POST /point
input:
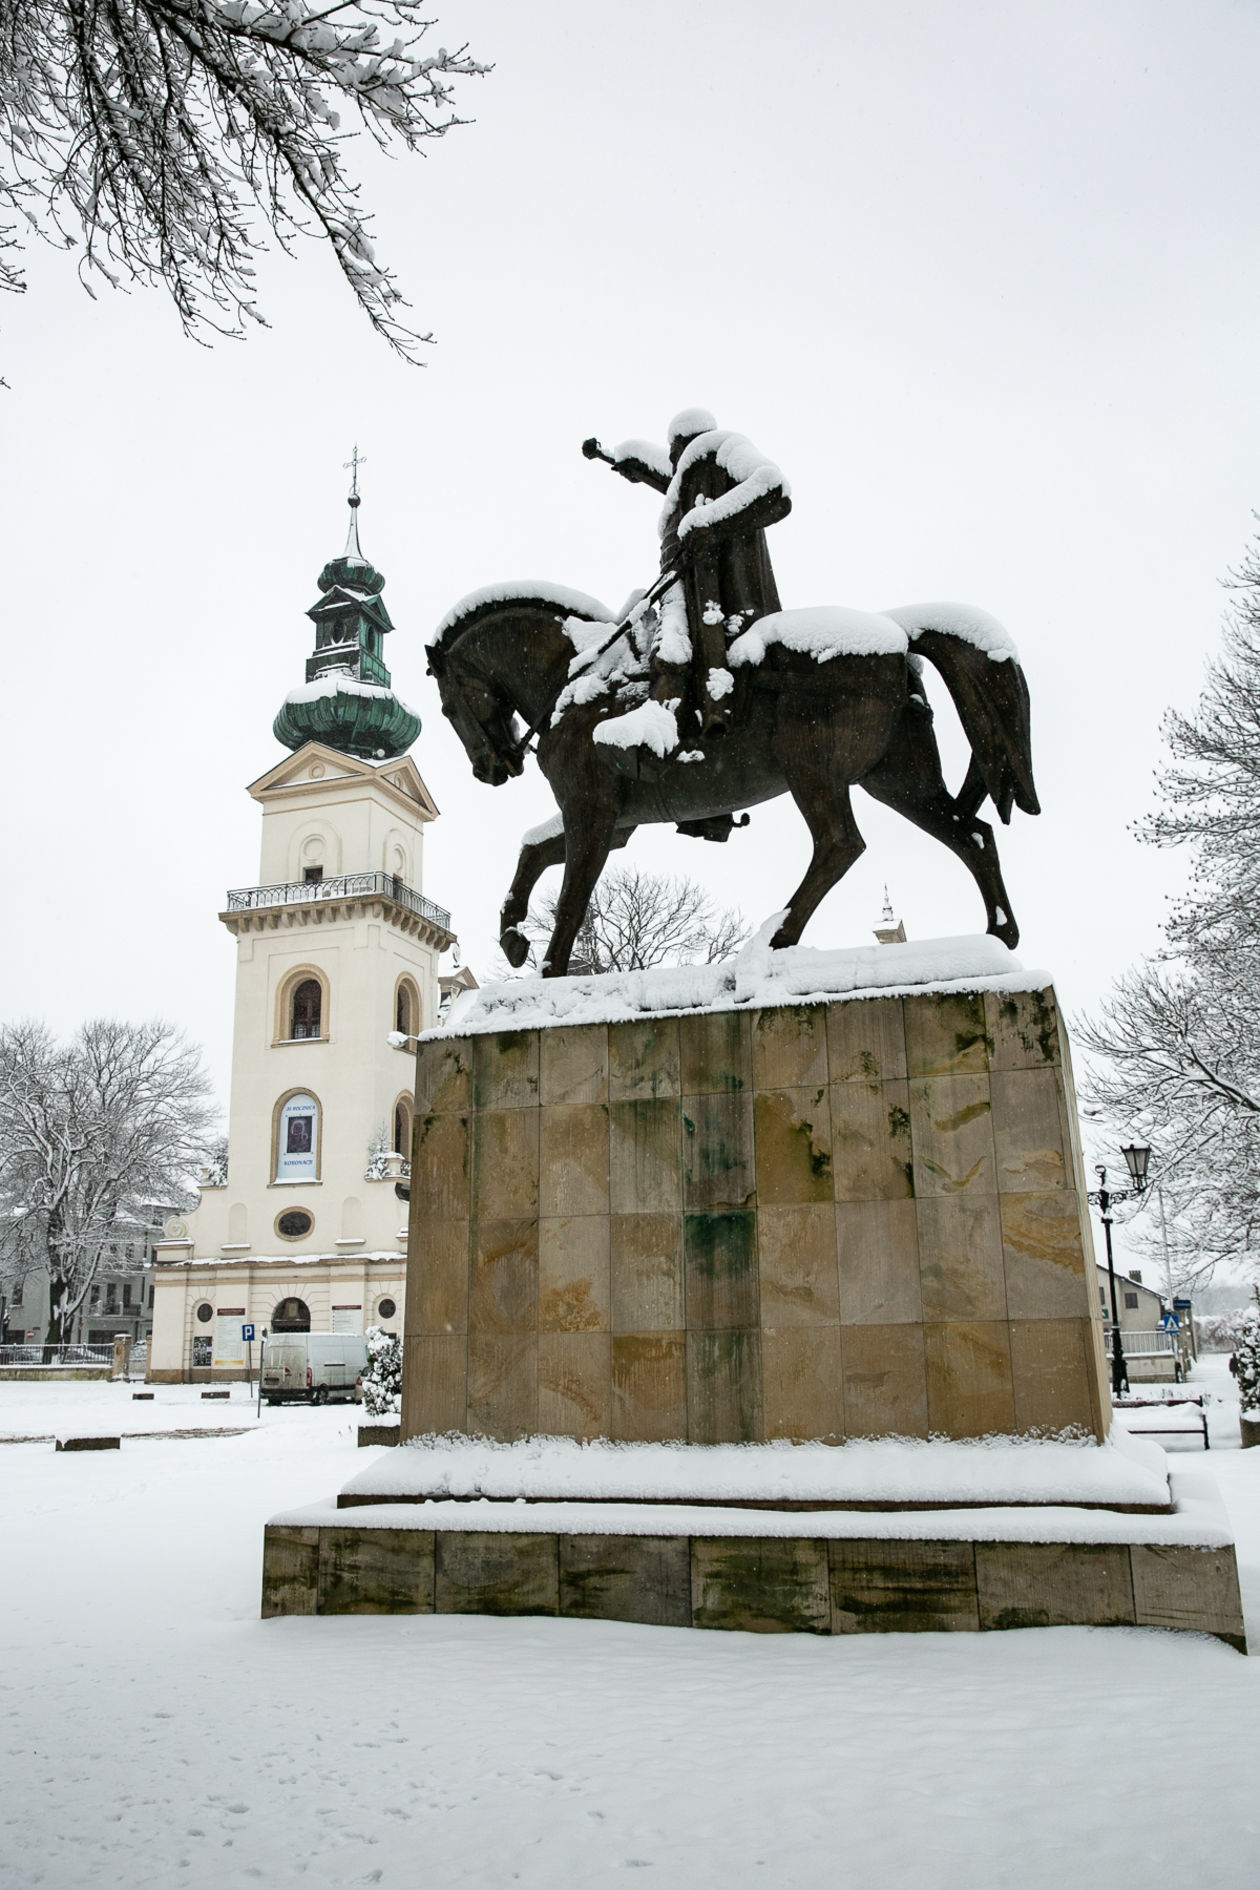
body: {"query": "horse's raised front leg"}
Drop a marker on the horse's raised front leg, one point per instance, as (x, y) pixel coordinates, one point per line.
(536, 857)
(909, 779)
(817, 755)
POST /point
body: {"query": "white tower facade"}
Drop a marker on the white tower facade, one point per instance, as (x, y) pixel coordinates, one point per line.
(337, 948)
(303, 1225)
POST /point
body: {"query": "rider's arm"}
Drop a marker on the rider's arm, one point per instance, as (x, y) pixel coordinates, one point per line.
(642, 464)
(732, 488)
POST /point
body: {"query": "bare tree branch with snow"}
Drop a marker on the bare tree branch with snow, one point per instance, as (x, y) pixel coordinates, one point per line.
(90, 1132)
(160, 132)
(637, 919)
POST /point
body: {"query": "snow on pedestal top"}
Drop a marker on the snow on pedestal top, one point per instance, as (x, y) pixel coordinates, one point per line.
(758, 979)
(994, 1470)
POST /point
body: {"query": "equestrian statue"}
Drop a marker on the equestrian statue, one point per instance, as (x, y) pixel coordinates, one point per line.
(706, 697)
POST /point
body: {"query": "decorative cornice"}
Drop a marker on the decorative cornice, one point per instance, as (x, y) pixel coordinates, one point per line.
(339, 912)
(350, 1262)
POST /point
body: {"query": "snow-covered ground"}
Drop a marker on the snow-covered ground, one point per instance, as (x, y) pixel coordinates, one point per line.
(156, 1733)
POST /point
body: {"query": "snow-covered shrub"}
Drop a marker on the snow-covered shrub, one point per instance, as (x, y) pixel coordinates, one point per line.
(378, 1156)
(1246, 1365)
(214, 1170)
(1220, 1332)
(382, 1380)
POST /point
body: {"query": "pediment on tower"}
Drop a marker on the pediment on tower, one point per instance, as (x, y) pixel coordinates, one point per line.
(312, 767)
(404, 776)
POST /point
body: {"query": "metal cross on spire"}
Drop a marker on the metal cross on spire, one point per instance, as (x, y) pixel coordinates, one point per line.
(352, 466)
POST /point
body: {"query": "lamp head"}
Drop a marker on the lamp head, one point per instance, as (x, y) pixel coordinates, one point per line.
(1137, 1157)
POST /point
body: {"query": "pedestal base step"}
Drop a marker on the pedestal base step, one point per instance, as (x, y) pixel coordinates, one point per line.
(764, 1584)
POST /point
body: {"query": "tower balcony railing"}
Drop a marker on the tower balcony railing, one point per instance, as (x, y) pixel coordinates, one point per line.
(344, 886)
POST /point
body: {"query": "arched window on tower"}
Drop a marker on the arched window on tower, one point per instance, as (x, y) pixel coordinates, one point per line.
(306, 1009)
(406, 1008)
(402, 1127)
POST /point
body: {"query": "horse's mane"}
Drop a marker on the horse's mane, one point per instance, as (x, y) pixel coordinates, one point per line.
(557, 598)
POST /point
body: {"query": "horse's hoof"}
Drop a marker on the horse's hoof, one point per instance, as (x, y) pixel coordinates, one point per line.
(514, 946)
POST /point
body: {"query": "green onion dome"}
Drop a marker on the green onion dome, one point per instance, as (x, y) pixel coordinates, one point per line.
(347, 701)
(355, 718)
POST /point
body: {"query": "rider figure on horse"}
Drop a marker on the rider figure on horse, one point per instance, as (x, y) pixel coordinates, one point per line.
(720, 495)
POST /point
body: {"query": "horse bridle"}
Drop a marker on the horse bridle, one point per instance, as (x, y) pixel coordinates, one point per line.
(438, 661)
(440, 667)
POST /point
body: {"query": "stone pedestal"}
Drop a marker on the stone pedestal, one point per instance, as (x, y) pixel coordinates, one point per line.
(852, 1218)
(856, 1218)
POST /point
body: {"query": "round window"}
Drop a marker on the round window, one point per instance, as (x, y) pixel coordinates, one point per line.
(386, 1309)
(205, 1314)
(295, 1225)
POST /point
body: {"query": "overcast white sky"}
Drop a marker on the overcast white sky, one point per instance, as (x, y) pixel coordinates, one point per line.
(982, 278)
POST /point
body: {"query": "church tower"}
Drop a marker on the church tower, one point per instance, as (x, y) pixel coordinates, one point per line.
(302, 1226)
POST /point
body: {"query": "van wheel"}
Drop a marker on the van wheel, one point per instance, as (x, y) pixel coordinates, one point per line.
(320, 1396)
(272, 1403)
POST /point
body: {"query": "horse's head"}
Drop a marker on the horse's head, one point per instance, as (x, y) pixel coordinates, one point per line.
(503, 655)
(481, 716)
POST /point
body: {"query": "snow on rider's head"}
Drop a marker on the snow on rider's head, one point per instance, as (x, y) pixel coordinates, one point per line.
(688, 425)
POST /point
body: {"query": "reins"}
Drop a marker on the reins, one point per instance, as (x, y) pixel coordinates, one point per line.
(585, 658)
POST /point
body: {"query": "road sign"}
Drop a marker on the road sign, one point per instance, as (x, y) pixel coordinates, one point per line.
(247, 1333)
(1170, 1322)
(1181, 1305)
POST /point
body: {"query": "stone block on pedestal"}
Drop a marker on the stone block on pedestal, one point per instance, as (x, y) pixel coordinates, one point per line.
(864, 1217)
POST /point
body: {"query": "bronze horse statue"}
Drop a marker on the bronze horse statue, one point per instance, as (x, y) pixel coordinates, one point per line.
(800, 725)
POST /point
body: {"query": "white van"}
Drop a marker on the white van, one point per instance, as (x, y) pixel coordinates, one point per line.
(312, 1367)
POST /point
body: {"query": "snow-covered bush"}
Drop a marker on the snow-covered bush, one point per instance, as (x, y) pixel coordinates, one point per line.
(1220, 1332)
(1246, 1366)
(382, 1380)
(214, 1171)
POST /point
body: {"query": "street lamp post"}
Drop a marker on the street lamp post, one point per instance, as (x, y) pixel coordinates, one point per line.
(1137, 1158)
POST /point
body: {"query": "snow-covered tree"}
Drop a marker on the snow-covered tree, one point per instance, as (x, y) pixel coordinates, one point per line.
(637, 919)
(1246, 1365)
(1176, 1045)
(214, 1170)
(1220, 1332)
(92, 1133)
(382, 1381)
(162, 134)
(379, 1150)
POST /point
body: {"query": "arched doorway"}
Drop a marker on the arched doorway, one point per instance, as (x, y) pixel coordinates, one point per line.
(291, 1315)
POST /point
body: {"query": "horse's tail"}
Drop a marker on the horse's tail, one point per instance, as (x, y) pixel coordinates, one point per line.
(980, 668)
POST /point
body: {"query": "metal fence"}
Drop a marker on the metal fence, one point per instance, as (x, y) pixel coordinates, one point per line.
(344, 886)
(1145, 1344)
(56, 1355)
